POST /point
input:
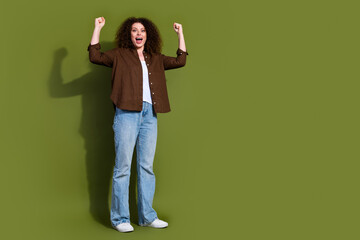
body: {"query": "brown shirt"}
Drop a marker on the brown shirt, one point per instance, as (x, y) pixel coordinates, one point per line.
(127, 78)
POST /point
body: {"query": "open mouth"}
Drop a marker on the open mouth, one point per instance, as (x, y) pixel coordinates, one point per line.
(138, 40)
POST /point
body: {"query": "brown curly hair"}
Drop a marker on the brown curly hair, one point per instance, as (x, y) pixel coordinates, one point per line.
(153, 42)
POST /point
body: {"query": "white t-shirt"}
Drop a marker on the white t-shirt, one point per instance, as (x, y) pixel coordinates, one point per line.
(146, 86)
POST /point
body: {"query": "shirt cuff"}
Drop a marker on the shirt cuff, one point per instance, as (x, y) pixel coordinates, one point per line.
(96, 46)
(179, 51)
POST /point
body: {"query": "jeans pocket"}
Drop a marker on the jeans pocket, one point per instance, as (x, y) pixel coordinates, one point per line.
(116, 116)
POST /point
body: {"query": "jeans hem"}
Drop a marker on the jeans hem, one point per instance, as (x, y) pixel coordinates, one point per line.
(147, 223)
(123, 221)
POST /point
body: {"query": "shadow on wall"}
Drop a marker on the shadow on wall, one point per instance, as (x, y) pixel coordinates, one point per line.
(96, 129)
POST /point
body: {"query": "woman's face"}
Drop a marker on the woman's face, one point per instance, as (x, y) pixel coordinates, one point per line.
(138, 35)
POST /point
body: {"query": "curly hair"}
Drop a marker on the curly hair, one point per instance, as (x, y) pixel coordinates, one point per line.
(153, 42)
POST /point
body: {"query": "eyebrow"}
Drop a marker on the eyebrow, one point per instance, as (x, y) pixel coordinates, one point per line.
(137, 28)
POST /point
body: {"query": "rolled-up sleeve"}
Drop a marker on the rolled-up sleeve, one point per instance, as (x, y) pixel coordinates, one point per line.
(101, 58)
(175, 62)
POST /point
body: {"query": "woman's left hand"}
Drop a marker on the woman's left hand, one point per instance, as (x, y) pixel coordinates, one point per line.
(178, 28)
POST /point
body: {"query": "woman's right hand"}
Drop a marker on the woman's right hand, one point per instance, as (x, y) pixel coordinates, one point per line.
(99, 22)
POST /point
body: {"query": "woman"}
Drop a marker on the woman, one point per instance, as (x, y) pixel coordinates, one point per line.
(138, 94)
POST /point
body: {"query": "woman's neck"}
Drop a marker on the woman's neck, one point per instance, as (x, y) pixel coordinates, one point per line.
(140, 53)
(141, 49)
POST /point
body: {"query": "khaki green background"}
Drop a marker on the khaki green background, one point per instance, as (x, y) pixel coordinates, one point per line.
(262, 141)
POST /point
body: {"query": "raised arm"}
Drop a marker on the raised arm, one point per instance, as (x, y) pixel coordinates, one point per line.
(179, 31)
(99, 24)
(95, 55)
(180, 60)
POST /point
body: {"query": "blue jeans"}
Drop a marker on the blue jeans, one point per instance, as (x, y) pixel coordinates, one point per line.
(134, 128)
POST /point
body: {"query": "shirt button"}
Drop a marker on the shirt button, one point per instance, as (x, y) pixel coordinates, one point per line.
(151, 83)
(145, 56)
(149, 73)
(153, 93)
(147, 64)
(154, 102)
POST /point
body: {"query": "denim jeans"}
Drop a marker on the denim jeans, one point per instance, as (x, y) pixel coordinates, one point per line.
(134, 128)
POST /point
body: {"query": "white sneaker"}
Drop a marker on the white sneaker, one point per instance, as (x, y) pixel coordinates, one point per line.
(124, 227)
(157, 223)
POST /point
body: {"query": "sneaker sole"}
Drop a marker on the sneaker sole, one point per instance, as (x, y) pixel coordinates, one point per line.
(124, 231)
(144, 225)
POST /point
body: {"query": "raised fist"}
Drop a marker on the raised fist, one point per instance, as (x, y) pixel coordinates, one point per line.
(99, 22)
(177, 28)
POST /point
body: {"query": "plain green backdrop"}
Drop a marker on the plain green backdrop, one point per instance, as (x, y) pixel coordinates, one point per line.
(262, 141)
